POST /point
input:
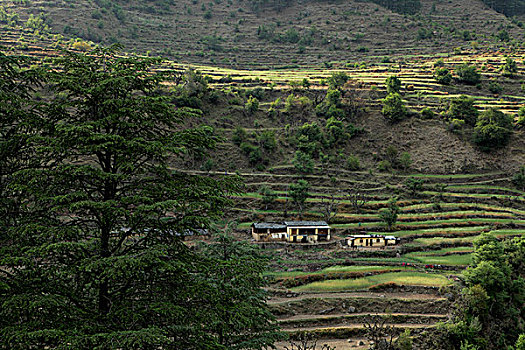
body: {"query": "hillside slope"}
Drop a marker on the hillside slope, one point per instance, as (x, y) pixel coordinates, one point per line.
(258, 33)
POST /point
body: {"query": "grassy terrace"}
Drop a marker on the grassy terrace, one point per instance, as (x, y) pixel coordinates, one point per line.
(427, 223)
(335, 269)
(401, 278)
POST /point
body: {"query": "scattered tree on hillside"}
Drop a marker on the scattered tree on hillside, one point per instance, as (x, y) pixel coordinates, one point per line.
(394, 108)
(329, 207)
(357, 199)
(303, 163)
(393, 84)
(405, 161)
(521, 117)
(492, 130)
(390, 213)
(519, 179)
(299, 194)
(443, 76)
(462, 108)
(414, 186)
(468, 74)
(337, 80)
(510, 68)
(379, 332)
(252, 105)
(268, 196)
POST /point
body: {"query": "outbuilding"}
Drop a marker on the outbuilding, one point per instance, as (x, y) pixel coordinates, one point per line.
(370, 241)
(291, 231)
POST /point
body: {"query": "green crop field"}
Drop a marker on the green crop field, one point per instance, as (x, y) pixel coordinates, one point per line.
(402, 278)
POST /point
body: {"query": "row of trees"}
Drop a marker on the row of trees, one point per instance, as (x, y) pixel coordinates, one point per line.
(92, 216)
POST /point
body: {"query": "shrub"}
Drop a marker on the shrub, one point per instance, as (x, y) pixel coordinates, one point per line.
(521, 117)
(427, 113)
(253, 152)
(337, 80)
(443, 76)
(493, 129)
(519, 179)
(239, 136)
(414, 186)
(384, 166)
(303, 163)
(393, 107)
(405, 160)
(267, 140)
(352, 163)
(462, 108)
(252, 105)
(510, 68)
(495, 88)
(468, 74)
(81, 46)
(456, 125)
(393, 84)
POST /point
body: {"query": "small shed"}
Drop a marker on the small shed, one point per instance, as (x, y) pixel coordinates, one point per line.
(370, 241)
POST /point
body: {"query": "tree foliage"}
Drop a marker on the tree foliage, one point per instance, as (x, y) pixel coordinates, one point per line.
(489, 313)
(95, 260)
(462, 108)
(518, 179)
(443, 76)
(237, 315)
(303, 163)
(390, 213)
(468, 74)
(394, 108)
(492, 130)
(299, 193)
(393, 84)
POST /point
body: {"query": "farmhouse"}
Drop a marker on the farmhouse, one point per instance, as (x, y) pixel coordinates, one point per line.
(292, 231)
(371, 241)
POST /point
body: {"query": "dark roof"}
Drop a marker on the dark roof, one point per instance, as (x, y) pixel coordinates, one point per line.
(305, 223)
(268, 225)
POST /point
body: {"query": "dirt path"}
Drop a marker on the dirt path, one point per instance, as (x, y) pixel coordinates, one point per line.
(346, 295)
(355, 326)
(349, 315)
(339, 344)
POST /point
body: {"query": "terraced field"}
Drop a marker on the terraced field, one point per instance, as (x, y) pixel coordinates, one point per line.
(330, 291)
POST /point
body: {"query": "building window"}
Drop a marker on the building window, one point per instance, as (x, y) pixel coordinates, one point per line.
(377, 240)
(361, 240)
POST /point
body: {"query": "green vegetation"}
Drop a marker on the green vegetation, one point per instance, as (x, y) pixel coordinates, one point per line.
(462, 108)
(489, 310)
(393, 108)
(493, 129)
(401, 278)
(468, 74)
(443, 76)
(299, 193)
(389, 215)
(95, 250)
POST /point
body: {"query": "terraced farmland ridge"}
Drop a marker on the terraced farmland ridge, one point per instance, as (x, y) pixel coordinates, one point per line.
(330, 291)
